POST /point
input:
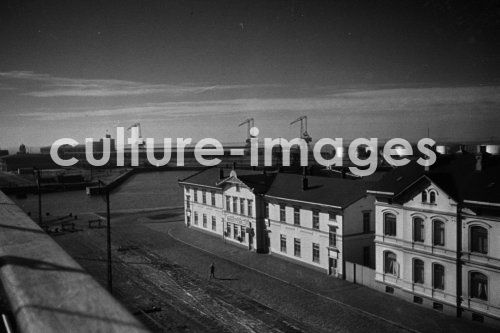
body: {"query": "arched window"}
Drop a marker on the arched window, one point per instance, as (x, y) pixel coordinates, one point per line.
(438, 276)
(390, 224)
(424, 196)
(418, 271)
(479, 239)
(478, 285)
(418, 229)
(432, 196)
(390, 263)
(438, 232)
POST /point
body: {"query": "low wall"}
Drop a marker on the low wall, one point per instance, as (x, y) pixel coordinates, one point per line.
(360, 274)
(46, 289)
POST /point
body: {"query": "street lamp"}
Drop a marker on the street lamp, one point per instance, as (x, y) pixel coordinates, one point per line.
(36, 174)
(108, 235)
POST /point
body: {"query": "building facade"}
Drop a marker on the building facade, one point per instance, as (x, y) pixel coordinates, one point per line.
(437, 236)
(227, 204)
(320, 222)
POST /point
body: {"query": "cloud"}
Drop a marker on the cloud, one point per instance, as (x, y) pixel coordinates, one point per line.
(53, 86)
(432, 103)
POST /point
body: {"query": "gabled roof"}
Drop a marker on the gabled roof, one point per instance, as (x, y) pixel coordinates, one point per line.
(455, 174)
(255, 180)
(336, 192)
(208, 177)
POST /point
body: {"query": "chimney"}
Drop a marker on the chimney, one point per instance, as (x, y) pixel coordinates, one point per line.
(221, 173)
(305, 183)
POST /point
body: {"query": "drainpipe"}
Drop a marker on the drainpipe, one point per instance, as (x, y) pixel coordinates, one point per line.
(343, 258)
(459, 260)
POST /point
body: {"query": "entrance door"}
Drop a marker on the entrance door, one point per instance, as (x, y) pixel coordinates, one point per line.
(332, 266)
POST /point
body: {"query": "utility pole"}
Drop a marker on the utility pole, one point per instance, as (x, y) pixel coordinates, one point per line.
(36, 173)
(108, 238)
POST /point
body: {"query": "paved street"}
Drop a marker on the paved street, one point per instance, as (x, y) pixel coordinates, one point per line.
(161, 273)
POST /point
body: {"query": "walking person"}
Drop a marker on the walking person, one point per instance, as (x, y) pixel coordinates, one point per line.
(212, 270)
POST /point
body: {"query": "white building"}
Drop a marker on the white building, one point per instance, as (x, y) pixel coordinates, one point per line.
(228, 204)
(437, 235)
(320, 221)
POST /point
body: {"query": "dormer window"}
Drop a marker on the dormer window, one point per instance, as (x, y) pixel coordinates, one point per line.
(432, 197)
(424, 196)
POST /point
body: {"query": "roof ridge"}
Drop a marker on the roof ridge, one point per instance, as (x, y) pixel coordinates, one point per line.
(196, 174)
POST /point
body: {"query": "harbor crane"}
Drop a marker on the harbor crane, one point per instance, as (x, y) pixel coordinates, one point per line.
(140, 140)
(303, 128)
(250, 124)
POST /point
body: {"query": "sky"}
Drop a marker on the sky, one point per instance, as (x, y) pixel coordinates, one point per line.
(199, 68)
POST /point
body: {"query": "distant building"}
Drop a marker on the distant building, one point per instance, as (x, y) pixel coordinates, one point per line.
(26, 161)
(22, 149)
(228, 203)
(437, 234)
(321, 222)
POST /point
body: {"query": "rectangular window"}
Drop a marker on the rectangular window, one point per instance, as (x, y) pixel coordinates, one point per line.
(250, 208)
(204, 220)
(296, 215)
(418, 230)
(391, 265)
(479, 239)
(195, 195)
(437, 306)
(478, 285)
(228, 229)
(235, 231)
(188, 201)
(196, 218)
(243, 234)
(212, 198)
(332, 237)
(332, 216)
(235, 205)
(438, 276)
(296, 247)
(283, 243)
(242, 206)
(204, 196)
(366, 222)
(315, 252)
(418, 271)
(438, 230)
(237, 188)
(214, 223)
(228, 203)
(390, 224)
(315, 219)
(282, 213)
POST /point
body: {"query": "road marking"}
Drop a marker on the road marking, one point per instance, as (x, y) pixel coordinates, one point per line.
(369, 314)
